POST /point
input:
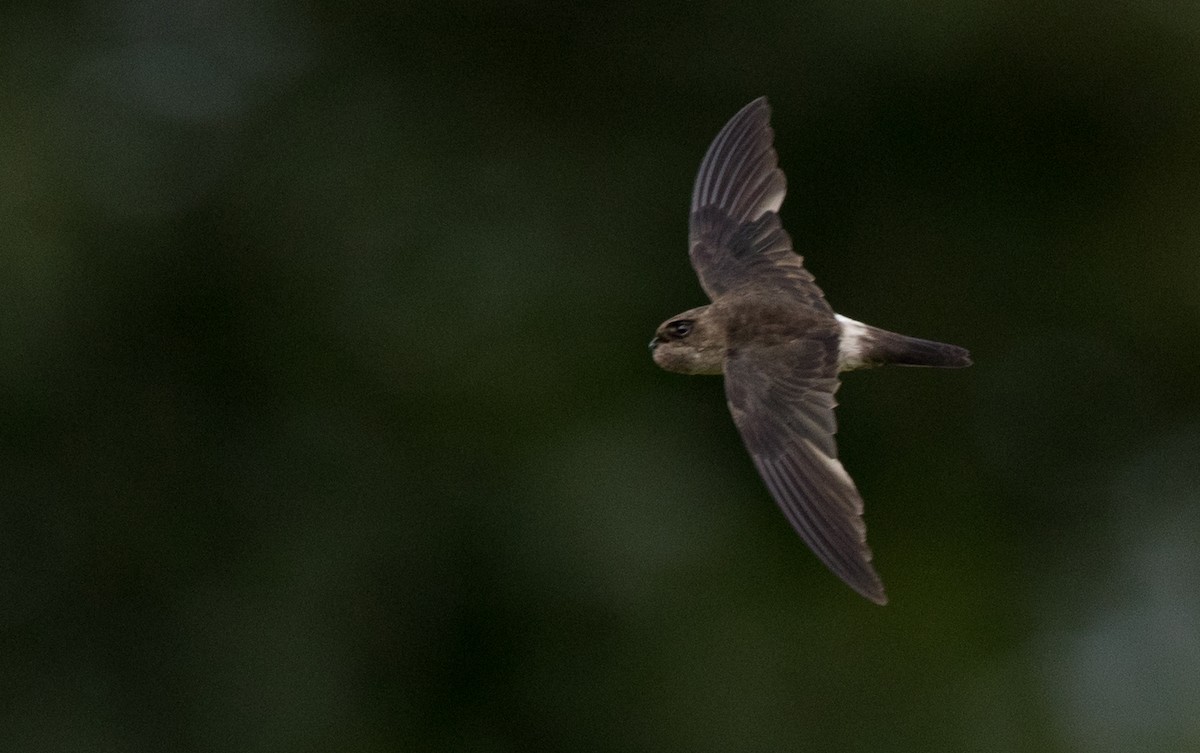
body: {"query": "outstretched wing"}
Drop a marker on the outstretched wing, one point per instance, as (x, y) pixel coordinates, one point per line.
(735, 234)
(781, 398)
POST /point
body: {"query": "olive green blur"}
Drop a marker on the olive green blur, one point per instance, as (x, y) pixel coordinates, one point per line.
(328, 422)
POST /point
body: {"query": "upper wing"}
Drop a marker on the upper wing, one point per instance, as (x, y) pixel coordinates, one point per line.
(735, 234)
(781, 398)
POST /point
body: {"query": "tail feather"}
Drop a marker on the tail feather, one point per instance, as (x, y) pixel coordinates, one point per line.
(902, 350)
(863, 346)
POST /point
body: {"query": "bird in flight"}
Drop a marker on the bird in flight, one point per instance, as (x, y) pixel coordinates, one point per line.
(780, 346)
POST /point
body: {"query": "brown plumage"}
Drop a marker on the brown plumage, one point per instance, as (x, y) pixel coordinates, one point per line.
(769, 330)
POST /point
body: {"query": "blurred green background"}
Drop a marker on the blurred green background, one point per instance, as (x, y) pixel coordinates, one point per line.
(329, 425)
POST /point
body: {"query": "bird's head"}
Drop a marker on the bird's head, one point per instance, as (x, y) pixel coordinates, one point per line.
(690, 343)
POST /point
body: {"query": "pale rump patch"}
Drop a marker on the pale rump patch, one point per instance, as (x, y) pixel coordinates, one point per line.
(854, 340)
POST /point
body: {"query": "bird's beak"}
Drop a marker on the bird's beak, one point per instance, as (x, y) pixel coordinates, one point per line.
(654, 343)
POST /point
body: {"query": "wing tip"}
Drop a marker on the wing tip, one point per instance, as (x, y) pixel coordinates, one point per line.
(874, 593)
(869, 585)
(740, 172)
(758, 103)
(866, 582)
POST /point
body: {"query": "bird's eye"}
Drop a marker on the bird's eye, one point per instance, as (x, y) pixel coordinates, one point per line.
(679, 329)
